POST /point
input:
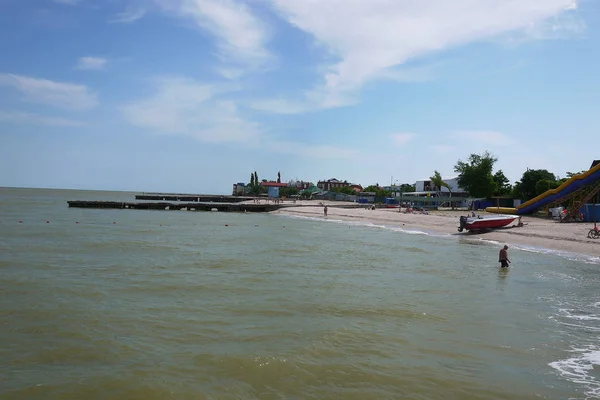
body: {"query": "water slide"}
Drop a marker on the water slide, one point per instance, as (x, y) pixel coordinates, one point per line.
(576, 182)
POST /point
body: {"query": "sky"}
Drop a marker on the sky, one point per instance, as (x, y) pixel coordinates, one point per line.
(193, 95)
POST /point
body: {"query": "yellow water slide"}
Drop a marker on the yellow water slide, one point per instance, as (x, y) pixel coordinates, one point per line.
(552, 195)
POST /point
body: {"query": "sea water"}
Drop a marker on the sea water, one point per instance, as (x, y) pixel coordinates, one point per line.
(133, 304)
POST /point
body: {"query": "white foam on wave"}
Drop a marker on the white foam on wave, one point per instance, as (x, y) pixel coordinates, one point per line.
(568, 313)
(577, 257)
(579, 370)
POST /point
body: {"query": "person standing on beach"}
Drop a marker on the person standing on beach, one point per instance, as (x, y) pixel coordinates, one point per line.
(325, 210)
(503, 257)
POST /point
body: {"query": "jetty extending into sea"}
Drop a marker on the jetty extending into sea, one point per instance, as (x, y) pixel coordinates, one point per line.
(196, 202)
(183, 206)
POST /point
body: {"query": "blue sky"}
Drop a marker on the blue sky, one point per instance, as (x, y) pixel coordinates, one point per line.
(193, 95)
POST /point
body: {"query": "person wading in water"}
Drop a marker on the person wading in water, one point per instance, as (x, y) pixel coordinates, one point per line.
(503, 257)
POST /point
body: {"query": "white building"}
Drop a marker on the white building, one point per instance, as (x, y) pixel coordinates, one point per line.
(428, 186)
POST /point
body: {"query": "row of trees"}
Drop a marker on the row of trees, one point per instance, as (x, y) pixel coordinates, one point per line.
(476, 176)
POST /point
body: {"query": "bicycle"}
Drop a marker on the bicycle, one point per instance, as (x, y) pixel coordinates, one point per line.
(594, 233)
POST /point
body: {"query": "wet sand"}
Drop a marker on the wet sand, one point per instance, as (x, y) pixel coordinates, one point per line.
(537, 232)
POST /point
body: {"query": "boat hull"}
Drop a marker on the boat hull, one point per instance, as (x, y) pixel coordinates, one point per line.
(479, 224)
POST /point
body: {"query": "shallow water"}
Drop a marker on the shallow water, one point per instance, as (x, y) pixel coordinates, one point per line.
(151, 304)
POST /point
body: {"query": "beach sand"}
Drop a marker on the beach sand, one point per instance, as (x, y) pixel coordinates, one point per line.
(537, 232)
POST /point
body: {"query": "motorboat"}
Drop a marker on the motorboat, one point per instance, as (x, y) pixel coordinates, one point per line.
(480, 223)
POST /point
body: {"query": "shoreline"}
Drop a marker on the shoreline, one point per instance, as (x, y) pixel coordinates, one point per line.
(536, 232)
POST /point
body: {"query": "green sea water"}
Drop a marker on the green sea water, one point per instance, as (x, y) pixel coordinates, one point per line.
(126, 304)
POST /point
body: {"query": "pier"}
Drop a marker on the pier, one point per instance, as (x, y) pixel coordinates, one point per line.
(198, 198)
(180, 206)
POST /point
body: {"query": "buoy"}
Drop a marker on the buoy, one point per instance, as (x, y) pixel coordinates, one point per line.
(226, 225)
(20, 221)
(114, 222)
(76, 222)
(47, 222)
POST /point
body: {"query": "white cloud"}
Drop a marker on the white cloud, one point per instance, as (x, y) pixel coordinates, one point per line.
(68, 2)
(279, 106)
(36, 119)
(371, 38)
(240, 34)
(484, 137)
(400, 139)
(128, 16)
(91, 63)
(59, 94)
(187, 107)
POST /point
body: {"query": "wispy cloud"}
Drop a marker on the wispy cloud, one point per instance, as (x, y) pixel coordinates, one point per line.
(91, 63)
(401, 139)
(128, 16)
(21, 117)
(58, 94)
(241, 36)
(187, 107)
(370, 39)
(68, 2)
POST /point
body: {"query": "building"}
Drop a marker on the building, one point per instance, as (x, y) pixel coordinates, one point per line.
(239, 189)
(356, 187)
(331, 184)
(273, 188)
(300, 185)
(428, 186)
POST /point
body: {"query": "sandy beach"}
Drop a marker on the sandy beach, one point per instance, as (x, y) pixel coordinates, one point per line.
(537, 232)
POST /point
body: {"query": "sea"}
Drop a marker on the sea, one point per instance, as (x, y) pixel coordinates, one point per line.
(135, 304)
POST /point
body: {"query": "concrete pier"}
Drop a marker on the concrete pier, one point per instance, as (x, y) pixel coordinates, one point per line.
(197, 206)
(199, 198)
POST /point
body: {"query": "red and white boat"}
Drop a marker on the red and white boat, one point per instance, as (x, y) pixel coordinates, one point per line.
(484, 223)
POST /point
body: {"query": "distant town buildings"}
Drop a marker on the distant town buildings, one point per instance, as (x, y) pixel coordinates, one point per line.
(239, 189)
(331, 184)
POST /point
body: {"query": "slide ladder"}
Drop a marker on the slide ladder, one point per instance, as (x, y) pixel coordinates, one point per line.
(580, 198)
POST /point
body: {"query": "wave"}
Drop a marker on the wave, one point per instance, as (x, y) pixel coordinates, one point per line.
(577, 257)
(579, 369)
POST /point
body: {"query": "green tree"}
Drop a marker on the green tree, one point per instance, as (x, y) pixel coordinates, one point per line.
(407, 188)
(288, 191)
(475, 175)
(439, 183)
(344, 190)
(251, 184)
(544, 185)
(527, 186)
(503, 186)
(279, 177)
(379, 192)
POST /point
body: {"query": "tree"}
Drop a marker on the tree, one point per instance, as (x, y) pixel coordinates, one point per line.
(407, 188)
(439, 184)
(344, 190)
(255, 178)
(379, 192)
(475, 175)
(527, 186)
(279, 177)
(288, 191)
(251, 184)
(544, 185)
(503, 186)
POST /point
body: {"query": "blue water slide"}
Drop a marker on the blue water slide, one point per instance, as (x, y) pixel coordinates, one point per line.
(575, 183)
